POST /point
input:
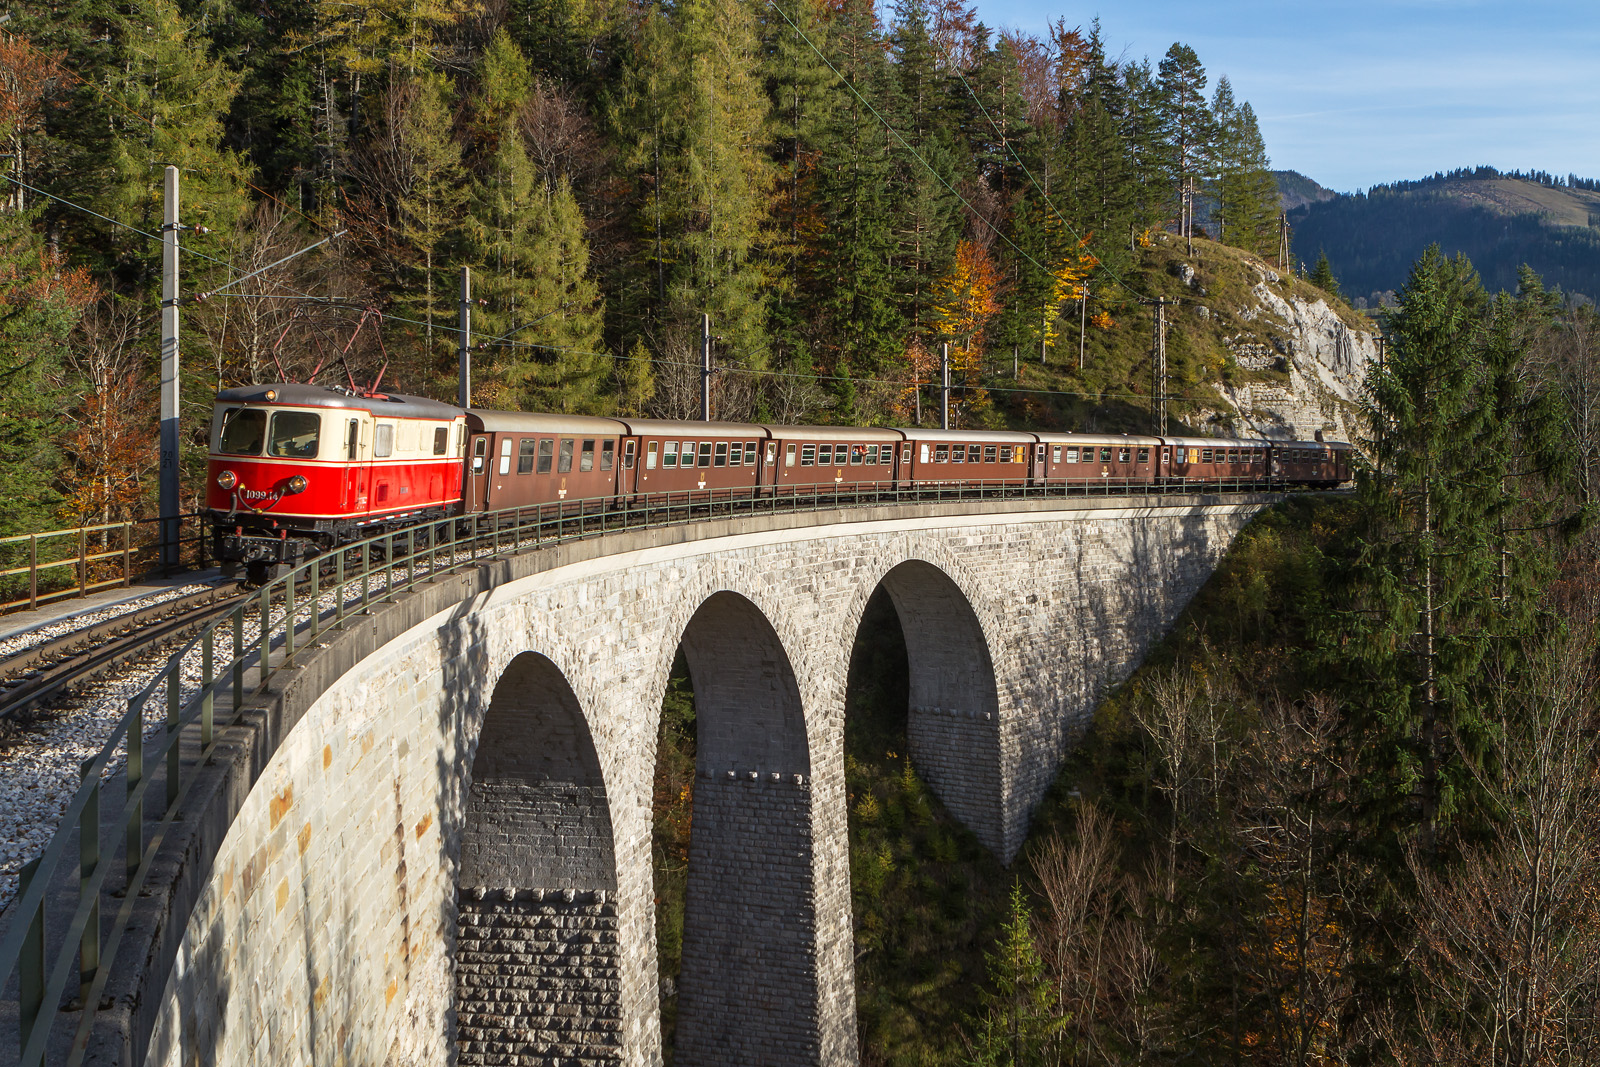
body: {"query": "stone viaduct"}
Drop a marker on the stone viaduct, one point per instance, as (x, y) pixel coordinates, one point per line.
(431, 844)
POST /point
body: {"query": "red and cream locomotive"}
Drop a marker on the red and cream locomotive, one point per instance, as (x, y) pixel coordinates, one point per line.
(296, 470)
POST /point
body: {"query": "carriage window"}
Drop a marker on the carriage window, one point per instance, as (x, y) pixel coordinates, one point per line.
(1105, 455)
(586, 460)
(650, 454)
(1205, 455)
(941, 453)
(629, 449)
(722, 454)
(525, 449)
(808, 455)
(383, 440)
(669, 457)
(547, 449)
(857, 453)
(1055, 454)
(958, 453)
(1122, 455)
(972, 453)
(988, 453)
(608, 451)
(1072, 455)
(824, 455)
(705, 453)
(735, 454)
(750, 454)
(564, 462)
(505, 455)
(872, 455)
(352, 444)
(1166, 454)
(788, 456)
(478, 447)
(441, 440)
(294, 435)
(1144, 455)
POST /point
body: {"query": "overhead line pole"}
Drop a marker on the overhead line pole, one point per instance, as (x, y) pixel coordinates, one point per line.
(944, 385)
(170, 470)
(1158, 395)
(705, 368)
(464, 352)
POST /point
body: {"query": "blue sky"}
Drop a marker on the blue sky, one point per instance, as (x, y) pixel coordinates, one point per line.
(1356, 93)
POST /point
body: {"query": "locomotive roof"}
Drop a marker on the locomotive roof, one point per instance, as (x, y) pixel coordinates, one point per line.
(1009, 436)
(835, 433)
(394, 405)
(676, 428)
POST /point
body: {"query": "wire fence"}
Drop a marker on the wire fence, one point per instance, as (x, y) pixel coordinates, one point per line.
(170, 728)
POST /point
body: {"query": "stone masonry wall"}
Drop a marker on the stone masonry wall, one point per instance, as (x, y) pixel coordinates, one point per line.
(325, 931)
(536, 980)
(747, 992)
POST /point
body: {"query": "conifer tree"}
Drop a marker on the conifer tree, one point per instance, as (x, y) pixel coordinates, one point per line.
(1422, 605)
(1245, 187)
(1322, 275)
(1185, 128)
(699, 114)
(526, 238)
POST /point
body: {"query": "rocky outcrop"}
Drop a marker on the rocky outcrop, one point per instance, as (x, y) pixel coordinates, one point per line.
(1324, 358)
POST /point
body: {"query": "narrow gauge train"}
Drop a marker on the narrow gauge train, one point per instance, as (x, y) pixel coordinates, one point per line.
(297, 469)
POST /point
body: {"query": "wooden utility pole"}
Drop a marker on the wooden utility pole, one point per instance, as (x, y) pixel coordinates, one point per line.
(1158, 393)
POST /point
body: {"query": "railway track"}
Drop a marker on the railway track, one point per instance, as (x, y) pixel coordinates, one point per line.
(39, 675)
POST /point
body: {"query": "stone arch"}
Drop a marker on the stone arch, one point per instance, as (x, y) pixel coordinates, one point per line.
(953, 721)
(749, 983)
(536, 964)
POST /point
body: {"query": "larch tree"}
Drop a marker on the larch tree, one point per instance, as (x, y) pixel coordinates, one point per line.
(964, 301)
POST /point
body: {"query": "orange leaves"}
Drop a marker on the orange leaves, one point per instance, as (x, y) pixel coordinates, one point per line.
(27, 77)
(1067, 282)
(965, 299)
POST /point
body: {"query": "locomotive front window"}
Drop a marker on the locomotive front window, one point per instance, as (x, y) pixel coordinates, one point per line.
(547, 451)
(586, 460)
(941, 453)
(608, 451)
(294, 435)
(525, 450)
(669, 455)
(564, 463)
(242, 430)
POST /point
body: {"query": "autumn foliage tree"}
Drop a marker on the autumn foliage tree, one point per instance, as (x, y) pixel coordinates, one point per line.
(964, 301)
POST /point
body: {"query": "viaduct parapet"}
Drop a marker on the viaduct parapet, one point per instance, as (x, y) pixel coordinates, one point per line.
(432, 844)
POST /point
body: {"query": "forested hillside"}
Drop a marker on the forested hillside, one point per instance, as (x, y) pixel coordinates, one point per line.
(1499, 221)
(842, 190)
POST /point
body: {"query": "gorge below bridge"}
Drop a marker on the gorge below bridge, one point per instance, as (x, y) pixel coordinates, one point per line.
(430, 842)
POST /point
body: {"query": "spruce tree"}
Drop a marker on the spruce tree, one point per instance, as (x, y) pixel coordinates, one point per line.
(1421, 607)
(1185, 128)
(1246, 187)
(1322, 276)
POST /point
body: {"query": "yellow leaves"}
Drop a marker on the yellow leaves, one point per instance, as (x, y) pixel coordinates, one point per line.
(1101, 320)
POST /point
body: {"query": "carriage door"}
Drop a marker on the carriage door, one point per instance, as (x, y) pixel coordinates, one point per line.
(1038, 464)
(478, 474)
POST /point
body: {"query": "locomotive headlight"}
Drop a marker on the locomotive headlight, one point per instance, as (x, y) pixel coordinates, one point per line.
(227, 480)
(298, 484)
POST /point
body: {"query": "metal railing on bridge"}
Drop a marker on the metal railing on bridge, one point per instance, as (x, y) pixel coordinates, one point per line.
(60, 564)
(245, 648)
